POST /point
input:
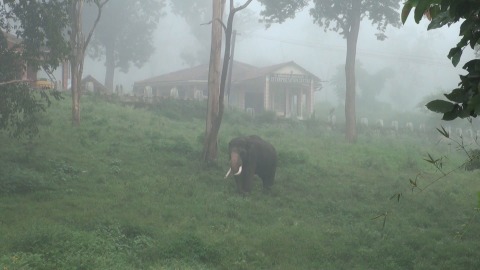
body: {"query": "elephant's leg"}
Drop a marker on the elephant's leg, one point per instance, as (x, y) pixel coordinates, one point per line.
(268, 179)
(248, 180)
(239, 181)
(247, 184)
(267, 183)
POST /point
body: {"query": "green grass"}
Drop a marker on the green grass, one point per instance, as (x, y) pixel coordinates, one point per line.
(128, 190)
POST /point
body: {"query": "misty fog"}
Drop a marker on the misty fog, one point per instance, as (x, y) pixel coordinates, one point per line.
(418, 57)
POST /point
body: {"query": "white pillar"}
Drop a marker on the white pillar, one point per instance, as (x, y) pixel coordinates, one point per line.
(310, 99)
(266, 96)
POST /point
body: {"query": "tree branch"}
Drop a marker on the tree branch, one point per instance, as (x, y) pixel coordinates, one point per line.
(220, 21)
(15, 81)
(99, 6)
(240, 7)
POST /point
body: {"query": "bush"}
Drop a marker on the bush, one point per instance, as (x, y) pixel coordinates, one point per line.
(266, 117)
(474, 162)
(180, 109)
(21, 260)
(16, 180)
(64, 171)
(190, 247)
(290, 157)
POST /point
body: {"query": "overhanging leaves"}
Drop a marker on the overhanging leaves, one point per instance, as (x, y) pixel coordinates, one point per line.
(421, 8)
(440, 106)
(465, 98)
(455, 54)
(474, 104)
(440, 20)
(458, 95)
(406, 11)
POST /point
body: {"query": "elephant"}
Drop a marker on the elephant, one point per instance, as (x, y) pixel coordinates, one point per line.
(249, 156)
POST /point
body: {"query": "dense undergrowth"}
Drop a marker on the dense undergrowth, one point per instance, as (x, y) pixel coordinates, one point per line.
(128, 190)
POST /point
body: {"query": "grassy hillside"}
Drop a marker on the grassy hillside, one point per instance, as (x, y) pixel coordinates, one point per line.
(127, 190)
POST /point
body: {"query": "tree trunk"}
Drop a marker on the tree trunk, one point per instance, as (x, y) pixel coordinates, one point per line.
(352, 37)
(210, 149)
(75, 95)
(79, 44)
(76, 38)
(110, 65)
(216, 105)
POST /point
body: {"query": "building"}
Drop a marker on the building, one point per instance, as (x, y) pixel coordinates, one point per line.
(15, 44)
(286, 88)
(91, 86)
(29, 73)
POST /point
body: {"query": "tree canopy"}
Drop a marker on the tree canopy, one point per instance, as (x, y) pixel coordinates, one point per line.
(371, 84)
(197, 13)
(124, 36)
(343, 17)
(35, 30)
(463, 101)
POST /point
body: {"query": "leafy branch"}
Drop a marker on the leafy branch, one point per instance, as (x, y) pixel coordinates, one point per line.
(472, 157)
(460, 234)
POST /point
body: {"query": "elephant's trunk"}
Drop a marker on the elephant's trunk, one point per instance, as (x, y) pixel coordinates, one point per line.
(235, 164)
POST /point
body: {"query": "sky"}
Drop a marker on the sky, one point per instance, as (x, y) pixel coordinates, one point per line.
(418, 56)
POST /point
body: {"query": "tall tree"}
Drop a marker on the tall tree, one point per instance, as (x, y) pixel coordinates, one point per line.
(35, 29)
(124, 36)
(370, 84)
(344, 17)
(196, 13)
(78, 44)
(463, 101)
(210, 147)
(216, 89)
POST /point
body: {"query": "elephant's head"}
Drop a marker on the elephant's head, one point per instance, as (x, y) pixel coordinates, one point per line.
(237, 149)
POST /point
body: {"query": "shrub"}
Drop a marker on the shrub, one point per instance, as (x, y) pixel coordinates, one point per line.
(180, 109)
(291, 157)
(16, 180)
(474, 162)
(266, 117)
(179, 145)
(21, 260)
(64, 171)
(190, 247)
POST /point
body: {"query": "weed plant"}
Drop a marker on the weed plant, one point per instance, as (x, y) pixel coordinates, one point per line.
(128, 190)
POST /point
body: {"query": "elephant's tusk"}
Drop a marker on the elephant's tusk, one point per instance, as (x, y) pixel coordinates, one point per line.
(239, 171)
(228, 173)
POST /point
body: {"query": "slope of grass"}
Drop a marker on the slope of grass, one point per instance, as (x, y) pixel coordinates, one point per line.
(127, 190)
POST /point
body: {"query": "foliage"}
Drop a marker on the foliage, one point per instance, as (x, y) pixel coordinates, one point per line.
(197, 13)
(136, 197)
(474, 161)
(334, 15)
(125, 34)
(266, 117)
(40, 26)
(36, 27)
(370, 85)
(343, 17)
(180, 109)
(21, 109)
(18, 180)
(464, 101)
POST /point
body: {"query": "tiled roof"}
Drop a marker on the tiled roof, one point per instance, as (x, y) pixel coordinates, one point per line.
(198, 73)
(241, 72)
